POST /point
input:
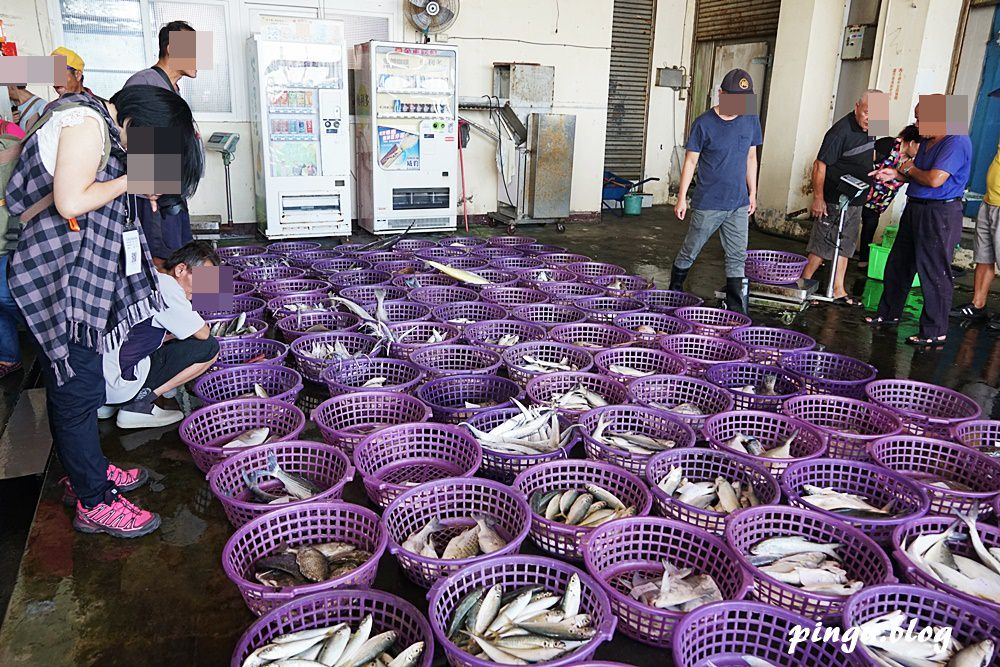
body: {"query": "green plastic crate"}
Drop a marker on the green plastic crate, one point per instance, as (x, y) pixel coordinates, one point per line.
(877, 257)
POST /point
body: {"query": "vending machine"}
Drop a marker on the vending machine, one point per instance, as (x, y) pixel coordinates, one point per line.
(301, 125)
(406, 136)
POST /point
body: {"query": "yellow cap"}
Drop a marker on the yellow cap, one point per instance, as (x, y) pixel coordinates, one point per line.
(72, 59)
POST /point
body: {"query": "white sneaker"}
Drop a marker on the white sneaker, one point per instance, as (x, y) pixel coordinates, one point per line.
(106, 411)
(158, 417)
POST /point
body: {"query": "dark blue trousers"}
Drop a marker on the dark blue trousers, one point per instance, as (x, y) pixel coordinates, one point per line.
(164, 233)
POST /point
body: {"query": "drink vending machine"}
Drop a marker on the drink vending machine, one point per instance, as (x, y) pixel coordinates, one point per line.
(300, 117)
(406, 136)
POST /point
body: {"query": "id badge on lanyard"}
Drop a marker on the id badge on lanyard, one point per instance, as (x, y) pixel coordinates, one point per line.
(131, 244)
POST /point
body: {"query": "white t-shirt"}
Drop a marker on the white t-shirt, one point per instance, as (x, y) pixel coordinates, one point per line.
(48, 134)
(178, 318)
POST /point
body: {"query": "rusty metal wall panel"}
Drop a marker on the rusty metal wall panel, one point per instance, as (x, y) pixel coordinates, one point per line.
(736, 19)
(628, 87)
(552, 142)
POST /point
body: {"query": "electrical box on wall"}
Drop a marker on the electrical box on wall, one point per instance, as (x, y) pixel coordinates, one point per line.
(859, 42)
(671, 77)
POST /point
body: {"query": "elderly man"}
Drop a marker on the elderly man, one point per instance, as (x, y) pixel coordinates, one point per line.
(74, 78)
(846, 149)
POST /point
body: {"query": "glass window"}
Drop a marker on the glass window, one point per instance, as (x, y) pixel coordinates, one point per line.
(88, 28)
(210, 91)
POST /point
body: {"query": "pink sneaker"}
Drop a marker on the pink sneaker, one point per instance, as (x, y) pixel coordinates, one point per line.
(125, 480)
(116, 516)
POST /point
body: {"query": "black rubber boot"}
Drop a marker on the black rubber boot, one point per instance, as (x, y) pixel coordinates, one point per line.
(677, 278)
(737, 295)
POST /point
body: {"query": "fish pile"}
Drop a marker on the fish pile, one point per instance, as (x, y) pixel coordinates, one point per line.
(675, 589)
(578, 398)
(308, 564)
(629, 441)
(477, 539)
(336, 646)
(765, 388)
(258, 392)
(534, 430)
(649, 330)
(328, 352)
(949, 485)
(258, 261)
(848, 504)
(748, 444)
(506, 340)
(290, 487)
(536, 365)
(521, 626)
(318, 307)
(680, 409)
(628, 371)
(979, 576)
(720, 495)
(251, 438)
(434, 337)
(460, 275)
(811, 566)
(888, 639)
(586, 507)
(237, 326)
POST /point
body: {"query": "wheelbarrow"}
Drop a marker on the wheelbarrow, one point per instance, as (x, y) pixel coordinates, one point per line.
(616, 187)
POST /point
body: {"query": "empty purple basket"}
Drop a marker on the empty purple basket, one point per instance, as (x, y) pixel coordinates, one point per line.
(542, 390)
(618, 550)
(441, 360)
(518, 263)
(849, 424)
(666, 392)
(859, 555)
(592, 336)
(738, 376)
(707, 321)
(239, 352)
(590, 270)
(510, 297)
(302, 525)
(288, 247)
(297, 325)
(880, 486)
(830, 373)
(279, 382)
(504, 467)
(767, 344)
(492, 252)
(540, 248)
(463, 313)
(312, 367)
(488, 333)
(304, 259)
(930, 462)
(509, 241)
(562, 258)
(228, 252)
(263, 274)
(660, 323)
(635, 419)
(275, 288)
(667, 301)
(359, 277)
(705, 465)
(413, 245)
(548, 315)
(410, 336)
(607, 308)
(774, 267)
(702, 352)
(358, 374)
(516, 359)
(568, 293)
(925, 409)
(772, 430)
(327, 468)
(456, 398)
(439, 294)
(346, 420)
(454, 501)
(642, 361)
(407, 455)
(400, 266)
(563, 540)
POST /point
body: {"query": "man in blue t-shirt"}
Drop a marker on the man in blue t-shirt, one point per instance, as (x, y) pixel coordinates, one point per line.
(723, 145)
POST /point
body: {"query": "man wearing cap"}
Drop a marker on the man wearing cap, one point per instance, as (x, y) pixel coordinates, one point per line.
(74, 76)
(846, 149)
(722, 145)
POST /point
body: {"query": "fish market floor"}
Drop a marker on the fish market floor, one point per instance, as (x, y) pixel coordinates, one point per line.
(164, 599)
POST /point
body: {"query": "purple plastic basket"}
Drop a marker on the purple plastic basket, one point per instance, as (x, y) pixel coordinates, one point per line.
(617, 550)
(662, 324)
(568, 293)
(712, 321)
(441, 360)
(538, 277)
(239, 351)
(449, 397)
(437, 295)
(540, 248)
(280, 383)
(492, 252)
(667, 301)
(705, 465)
(607, 308)
(304, 259)
(880, 486)
(465, 263)
(358, 277)
(453, 501)
(275, 288)
(256, 261)
(548, 315)
(229, 252)
(400, 376)
(369, 293)
(329, 469)
(543, 350)
(849, 424)
(592, 336)
(250, 305)
(924, 409)
(380, 256)
(774, 267)
(495, 277)
(402, 311)
(407, 455)
(642, 359)
(328, 608)
(541, 389)
(346, 420)
(462, 241)
(335, 265)
(562, 258)
(463, 313)
(702, 352)
(830, 373)
(735, 377)
(293, 304)
(591, 270)
(241, 288)
(412, 336)
(513, 264)
(510, 297)
(312, 368)
(509, 241)
(258, 324)
(635, 419)
(264, 274)
(623, 285)
(400, 266)
(665, 392)
(767, 344)
(863, 559)
(961, 545)
(505, 467)
(478, 333)
(515, 572)
(298, 525)
(413, 245)
(926, 460)
(351, 249)
(977, 433)
(772, 430)
(207, 429)
(722, 633)
(441, 254)
(288, 247)
(295, 326)
(423, 279)
(564, 540)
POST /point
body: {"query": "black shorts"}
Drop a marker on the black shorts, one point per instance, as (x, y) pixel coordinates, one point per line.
(175, 356)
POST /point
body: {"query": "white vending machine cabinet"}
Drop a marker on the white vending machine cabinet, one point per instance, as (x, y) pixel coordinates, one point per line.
(406, 125)
(301, 125)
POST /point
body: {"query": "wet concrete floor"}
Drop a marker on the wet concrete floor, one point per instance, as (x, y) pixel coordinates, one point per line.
(164, 599)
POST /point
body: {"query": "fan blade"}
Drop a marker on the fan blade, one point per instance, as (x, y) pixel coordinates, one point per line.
(419, 3)
(444, 16)
(421, 20)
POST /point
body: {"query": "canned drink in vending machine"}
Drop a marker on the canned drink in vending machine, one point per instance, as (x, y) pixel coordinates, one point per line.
(309, 127)
(300, 127)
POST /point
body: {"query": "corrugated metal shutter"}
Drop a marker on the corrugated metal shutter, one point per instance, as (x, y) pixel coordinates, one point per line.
(736, 19)
(628, 88)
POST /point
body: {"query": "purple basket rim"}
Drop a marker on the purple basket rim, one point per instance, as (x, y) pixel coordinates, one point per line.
(215, 407)
(327, 375)
(299, 342)
(361, 395)
(982, 461)
(795, 354)
(857, 402)
(941, 421)
(716, 369)
(452, 429)
(865, 594)
(798, 424)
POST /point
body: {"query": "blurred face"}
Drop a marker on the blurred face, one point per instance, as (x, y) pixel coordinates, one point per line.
(184, 275)
(73, 83)
(861, 114)
(182, 50)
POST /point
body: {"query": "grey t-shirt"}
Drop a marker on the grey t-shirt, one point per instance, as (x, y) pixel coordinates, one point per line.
(149, 77)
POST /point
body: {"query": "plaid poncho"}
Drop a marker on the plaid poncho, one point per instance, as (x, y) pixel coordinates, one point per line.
(71, 286)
